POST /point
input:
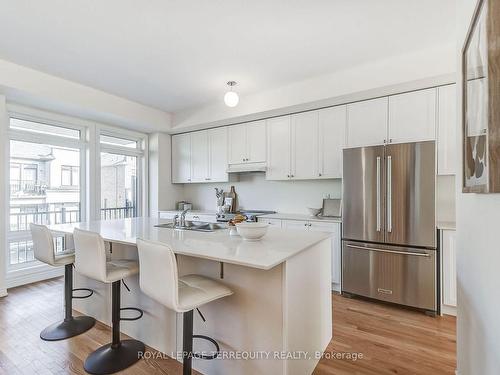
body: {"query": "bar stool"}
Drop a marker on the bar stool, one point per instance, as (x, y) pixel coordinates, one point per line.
(159, 280)
(43, 247)
(91, 261)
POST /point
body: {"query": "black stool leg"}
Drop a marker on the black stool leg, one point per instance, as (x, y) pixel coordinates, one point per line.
(118, 355)
(71, 326)
(187, 343)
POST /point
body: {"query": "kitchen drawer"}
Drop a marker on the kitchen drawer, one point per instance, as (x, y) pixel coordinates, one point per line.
(271, 222)
(407, 277)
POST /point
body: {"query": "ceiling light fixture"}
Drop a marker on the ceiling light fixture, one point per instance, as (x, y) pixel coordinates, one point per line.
(231, 98)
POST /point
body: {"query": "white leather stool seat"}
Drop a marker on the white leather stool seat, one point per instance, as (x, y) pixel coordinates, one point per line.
(66, 257)
(196, 290)
(91, 260)
(120, 269)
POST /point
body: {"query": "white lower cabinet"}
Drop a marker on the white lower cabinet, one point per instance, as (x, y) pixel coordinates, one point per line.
(272, 222)
(295, 224)
(448, 271)
(329, 227)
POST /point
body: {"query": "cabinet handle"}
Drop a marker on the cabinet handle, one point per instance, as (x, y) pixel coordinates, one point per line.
(390, 140)
(384, 291)
(319, 174)
(291, 175)
(305, 225)
(310, 224)
(288, 175)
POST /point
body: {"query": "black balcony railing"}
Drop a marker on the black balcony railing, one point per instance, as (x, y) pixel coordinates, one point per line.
(27, 187)
(117, 212)
(22, 215)
(61, 213)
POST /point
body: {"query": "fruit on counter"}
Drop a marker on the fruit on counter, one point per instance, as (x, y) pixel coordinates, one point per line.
(237, 219)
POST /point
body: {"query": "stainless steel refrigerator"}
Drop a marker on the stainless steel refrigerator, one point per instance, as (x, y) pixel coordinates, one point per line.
(389, 224)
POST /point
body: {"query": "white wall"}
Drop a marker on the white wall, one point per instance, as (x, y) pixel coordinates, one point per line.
(416, 66)
(255, 193)
(162, 194)
(33, 88)
(3, 195)
(478, 263)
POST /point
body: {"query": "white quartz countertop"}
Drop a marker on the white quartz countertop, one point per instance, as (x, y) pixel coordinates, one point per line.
(302, 217)
(446, 225)
(274, 248)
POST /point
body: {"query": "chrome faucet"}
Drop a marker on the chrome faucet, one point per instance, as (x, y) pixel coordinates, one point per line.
(183, 218)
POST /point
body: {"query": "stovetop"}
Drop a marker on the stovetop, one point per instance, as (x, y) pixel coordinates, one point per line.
(251, 215)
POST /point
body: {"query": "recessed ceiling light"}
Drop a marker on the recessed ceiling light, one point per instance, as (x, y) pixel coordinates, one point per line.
(231, 98)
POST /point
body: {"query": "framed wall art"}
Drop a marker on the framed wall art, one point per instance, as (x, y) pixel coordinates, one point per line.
(481, 100)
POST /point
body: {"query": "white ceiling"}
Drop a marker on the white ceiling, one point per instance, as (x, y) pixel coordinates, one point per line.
(178, 54)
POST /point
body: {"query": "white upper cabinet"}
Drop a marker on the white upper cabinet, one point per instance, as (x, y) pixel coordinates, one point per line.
(306, 145)
(331, 141)
(199, 156)
(256, 142)
(237, 144)
(367, 122)
(217, 145)
(304, 131)
(447, 153)
(278, 148)
(412, 116)
(181, 158)
(247, 143)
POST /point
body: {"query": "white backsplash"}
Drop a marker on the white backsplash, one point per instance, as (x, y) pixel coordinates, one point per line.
(255, 193)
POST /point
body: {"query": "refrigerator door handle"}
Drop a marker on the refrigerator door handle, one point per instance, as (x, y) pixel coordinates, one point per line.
(389, 251)
(389, 194)
(378, 195)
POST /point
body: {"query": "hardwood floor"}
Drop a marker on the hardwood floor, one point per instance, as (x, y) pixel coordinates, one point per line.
(391, 340)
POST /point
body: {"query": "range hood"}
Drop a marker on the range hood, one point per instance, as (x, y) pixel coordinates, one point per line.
(246, 167)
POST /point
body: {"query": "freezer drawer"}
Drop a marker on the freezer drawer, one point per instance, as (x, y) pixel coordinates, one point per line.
(401, 275)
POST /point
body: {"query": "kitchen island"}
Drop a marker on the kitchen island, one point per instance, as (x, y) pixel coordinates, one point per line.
(279, 319)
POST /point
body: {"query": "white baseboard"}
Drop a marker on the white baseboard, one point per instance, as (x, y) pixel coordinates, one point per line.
(32, 275)
(336, 287)
(448, 310)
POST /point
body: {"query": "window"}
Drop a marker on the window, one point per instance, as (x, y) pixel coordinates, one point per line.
(70, 175)
(121, 161)
(49, 178)
(118, 186)
(120, 142)
(40, 128)
(44, 184)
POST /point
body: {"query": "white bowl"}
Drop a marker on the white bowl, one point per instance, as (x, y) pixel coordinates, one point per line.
(314, 211)
(251, 231)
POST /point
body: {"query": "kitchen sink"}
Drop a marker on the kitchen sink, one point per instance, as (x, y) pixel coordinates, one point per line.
(194, 226)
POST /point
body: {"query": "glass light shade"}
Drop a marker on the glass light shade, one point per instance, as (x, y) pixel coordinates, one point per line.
(231, 99)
